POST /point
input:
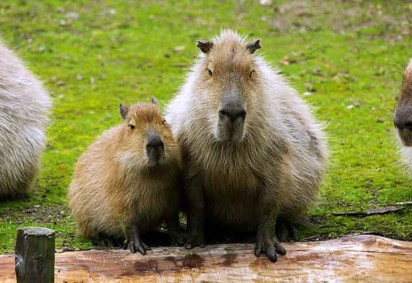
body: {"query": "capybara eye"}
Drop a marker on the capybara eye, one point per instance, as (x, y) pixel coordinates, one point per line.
(210, 72)
(132, 126)
(251, 73)
(164, 122)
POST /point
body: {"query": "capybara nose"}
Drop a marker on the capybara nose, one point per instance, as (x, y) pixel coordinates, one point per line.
(154, 142)
(232, 114)
(403, 125)
(402, 120)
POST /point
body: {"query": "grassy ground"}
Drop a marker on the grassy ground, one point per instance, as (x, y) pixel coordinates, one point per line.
(347, 56)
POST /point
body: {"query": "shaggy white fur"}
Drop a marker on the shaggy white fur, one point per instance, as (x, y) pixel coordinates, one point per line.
(283, 147)
(24, 111)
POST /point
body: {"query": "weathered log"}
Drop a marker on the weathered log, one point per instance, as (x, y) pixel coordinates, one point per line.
(364, 258)
(34, 260)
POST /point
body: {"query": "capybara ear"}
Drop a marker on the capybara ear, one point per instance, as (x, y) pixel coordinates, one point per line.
(204, 46)
(253, 46)
(123, 110)
(154, 101)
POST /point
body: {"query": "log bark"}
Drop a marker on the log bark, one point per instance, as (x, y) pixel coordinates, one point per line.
(363, 258)
(34, 260)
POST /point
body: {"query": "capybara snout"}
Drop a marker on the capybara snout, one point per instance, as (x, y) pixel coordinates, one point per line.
(230, 85)
(232, 114)
(402, 118)
(403, 123)
(155, 149)
(148, 131)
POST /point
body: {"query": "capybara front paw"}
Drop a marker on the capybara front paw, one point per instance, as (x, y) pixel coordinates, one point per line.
(109, 241)
(270, 246)
(286, 231)
(176, 238)
(195, 241)
(137, 246)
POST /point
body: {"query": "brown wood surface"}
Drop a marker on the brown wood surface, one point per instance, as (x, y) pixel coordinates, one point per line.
(363, 258)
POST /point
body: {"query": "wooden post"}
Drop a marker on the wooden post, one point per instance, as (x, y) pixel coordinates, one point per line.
(35, 255)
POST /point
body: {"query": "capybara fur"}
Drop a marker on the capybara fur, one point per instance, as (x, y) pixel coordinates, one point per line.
(127, 182)
(252, 151)
(403, 116)
(24, 115)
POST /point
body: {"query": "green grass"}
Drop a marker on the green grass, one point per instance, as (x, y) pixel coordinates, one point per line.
(352, 54)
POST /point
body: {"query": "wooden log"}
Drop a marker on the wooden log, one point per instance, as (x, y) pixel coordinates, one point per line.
(34, 260)
(363, 258)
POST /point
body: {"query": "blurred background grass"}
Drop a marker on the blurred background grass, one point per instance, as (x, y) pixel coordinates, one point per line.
(345, 57)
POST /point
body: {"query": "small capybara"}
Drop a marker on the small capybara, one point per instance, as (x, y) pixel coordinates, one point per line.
(127, 182)
(252, 151)
(403, 116)
(24, 115)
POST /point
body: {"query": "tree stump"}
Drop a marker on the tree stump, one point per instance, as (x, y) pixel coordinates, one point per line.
(34, 261)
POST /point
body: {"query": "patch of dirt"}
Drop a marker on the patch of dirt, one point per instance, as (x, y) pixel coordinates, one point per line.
(391, 17)
(37, 214)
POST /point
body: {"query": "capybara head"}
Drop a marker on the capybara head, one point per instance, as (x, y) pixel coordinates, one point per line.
(228, 84)
(403, 113)
(147, 135)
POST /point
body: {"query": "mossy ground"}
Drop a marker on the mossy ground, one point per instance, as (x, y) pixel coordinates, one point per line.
(92, 55)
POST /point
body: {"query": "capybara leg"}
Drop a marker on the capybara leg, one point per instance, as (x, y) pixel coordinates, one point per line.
(118, 242)
(175, 233)
(134, 241)
(266, 239)
(109, 241)
(195, 215)
(292, 230)
(267, 243)
(286, 230)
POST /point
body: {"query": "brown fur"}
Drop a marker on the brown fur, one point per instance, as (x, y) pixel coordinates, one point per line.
(113, 187)
(403, 116)
(273, 170)
(403, 110)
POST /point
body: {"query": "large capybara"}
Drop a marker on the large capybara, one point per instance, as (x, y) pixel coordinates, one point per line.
(24, 115)
(127, 182)
(252, 151)
(403, 116)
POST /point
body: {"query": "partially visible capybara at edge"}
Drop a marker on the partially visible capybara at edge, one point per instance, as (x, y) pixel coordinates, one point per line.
(127, 182)
(252, 151)
(24, 115)
(403, 116)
